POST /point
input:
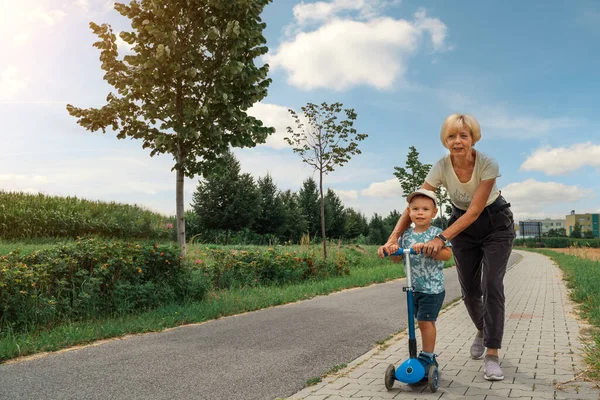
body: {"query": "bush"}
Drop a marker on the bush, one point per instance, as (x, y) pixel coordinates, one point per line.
(557, 242)
(91, 278)
(231, 269)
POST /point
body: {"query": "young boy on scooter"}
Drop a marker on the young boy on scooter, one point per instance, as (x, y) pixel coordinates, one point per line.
(427, 272)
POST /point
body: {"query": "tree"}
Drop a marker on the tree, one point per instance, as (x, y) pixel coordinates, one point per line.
(377, 231)
(272, 213)
(356, 224)
(576, 233)
(294, 224)
(308, 199)
(334, 215)
(186, 86)
(391, 220)
(412, 177)
(324, 143)
(588, 234)
(226, 199)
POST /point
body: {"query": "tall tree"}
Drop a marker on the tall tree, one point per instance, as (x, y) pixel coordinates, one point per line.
(272, 212)
(413, 175)
(294, 224)
(187, 85)
(308, 199)
(377, 230)
(226, 199)
(324, 143)
(356, 224)
(334, 215)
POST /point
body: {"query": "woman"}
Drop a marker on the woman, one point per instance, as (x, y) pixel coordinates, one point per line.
(481, 230)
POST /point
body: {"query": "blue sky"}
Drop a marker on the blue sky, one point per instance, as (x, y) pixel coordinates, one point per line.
(528, 71)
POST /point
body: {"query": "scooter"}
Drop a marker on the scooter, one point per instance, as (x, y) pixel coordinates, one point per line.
(411, 371)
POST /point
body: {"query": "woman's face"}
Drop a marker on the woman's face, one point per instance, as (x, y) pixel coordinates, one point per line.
(460, 142)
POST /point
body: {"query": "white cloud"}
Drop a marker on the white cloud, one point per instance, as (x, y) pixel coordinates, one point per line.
(320, 11)
(20, 39)
(535, 199)
(386, 189)
(11, 82)
(536, 192)
(84, 4)
(561, 160)
(277, 117)
(346, 195)
(50, 17)
(343, 53)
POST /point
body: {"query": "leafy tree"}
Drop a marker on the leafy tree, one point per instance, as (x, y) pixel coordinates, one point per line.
(308, 199)
(226, 199)
(391, 220)
(356, 224)
(576, 233)
(559, 232)
(413, 175)
(272, 212)
(588, 234)
(324, 143)
(377, 230)
(334, 215)
(186, 86)
(294, 224)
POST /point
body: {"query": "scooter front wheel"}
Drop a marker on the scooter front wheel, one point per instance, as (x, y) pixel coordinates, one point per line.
(433, 378)
(390, 376)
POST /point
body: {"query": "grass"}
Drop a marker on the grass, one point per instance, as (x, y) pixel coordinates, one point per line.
(218, 304)
(582, 277)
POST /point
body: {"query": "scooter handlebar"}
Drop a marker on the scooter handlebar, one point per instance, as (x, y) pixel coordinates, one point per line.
(401, 252)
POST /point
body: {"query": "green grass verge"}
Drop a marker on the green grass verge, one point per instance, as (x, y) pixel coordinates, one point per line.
(218, 304)
(582, 277)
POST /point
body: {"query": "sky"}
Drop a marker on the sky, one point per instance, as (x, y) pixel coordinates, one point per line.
(528, 71)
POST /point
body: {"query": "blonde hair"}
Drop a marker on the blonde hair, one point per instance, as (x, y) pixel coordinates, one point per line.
(455, 122)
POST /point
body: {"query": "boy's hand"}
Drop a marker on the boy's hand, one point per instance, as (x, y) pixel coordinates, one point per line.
(387, 249)
(418, 247)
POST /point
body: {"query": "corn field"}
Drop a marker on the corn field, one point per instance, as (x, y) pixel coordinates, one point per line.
(29, 216)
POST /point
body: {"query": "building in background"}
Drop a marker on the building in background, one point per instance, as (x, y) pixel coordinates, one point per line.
(588, 222)
(548, 223)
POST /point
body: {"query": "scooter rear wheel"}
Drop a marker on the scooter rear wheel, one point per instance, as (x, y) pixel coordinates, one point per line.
(390, 376)
(433, 378)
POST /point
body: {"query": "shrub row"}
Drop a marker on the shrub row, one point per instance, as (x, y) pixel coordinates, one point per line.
(250, 268)
(91, 278)
(557, 242)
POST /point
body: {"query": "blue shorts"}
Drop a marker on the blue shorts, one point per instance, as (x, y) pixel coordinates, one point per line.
(428, 306)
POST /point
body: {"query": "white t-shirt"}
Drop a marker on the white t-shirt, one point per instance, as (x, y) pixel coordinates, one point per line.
(461, 194)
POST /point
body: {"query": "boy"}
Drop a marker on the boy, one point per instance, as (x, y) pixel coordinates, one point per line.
(427, 272)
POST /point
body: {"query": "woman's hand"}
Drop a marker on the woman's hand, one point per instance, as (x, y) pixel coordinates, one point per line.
(432, 247)
(387, 249)
(418, 247)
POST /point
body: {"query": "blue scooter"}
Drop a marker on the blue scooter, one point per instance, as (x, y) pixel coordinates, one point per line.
(411, 371)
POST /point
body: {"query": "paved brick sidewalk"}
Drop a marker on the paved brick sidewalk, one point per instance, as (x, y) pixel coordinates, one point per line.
(541, 350)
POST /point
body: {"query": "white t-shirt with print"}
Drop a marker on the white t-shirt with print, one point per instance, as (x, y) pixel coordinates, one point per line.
(442, 173)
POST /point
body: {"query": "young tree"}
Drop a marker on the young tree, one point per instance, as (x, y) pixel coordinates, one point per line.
(308, 199)
(226, 199)
(187, 85)
(588, 234)
(412, 177)
(272, 212)
(324, 143)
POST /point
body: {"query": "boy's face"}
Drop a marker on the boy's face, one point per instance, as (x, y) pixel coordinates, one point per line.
(421, 211)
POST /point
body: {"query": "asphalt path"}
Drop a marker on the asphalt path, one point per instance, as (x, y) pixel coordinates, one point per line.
(260, 355)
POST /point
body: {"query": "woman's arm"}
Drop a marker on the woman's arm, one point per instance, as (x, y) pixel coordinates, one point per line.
(475, 208)
(391, 246)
